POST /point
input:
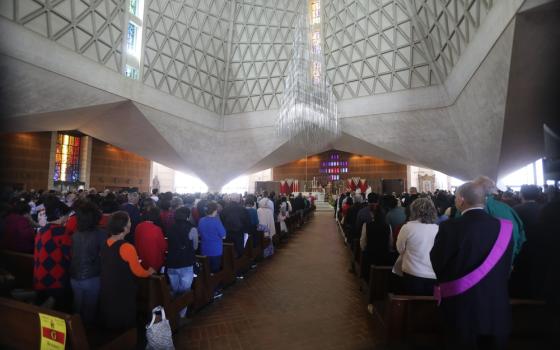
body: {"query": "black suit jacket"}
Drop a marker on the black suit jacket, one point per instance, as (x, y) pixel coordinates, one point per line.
(460, 246)
(529, 213)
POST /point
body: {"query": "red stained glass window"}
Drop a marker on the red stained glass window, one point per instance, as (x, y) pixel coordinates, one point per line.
(67, 160)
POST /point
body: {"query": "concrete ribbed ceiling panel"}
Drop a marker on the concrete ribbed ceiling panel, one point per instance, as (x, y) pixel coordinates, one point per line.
(230, 56)
(185, 49)
(90, 28)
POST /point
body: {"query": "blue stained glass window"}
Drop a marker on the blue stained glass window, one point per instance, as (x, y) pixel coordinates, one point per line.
(131, 72)
(131, 39)
(57, 173)
(134, 7)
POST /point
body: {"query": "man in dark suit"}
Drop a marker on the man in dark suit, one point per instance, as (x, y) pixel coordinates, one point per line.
(479, 318)
(299, 206)
(529, 271)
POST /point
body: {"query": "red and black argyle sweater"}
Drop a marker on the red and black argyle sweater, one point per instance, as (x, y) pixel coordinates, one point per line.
(52, 258)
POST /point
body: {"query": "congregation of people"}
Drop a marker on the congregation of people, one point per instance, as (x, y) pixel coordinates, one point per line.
(472, 250)
(89, 248)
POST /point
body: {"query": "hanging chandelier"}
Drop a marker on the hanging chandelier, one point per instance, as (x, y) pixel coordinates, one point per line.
(308, 114)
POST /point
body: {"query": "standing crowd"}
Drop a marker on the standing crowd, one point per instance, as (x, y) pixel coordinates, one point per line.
(89, 248)
(472, 251)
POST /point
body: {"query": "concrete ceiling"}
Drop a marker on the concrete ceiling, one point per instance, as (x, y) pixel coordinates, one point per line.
(455, 127)
(533, 93)
(230, 56)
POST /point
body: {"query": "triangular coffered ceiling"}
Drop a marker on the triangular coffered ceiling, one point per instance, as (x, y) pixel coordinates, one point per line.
(230, 56)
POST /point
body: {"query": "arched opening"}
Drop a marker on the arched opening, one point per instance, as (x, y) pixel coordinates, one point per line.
(238, 185)
(185, 183)
(530, 174)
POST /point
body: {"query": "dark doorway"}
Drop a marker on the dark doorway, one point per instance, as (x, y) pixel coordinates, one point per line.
(389, 186)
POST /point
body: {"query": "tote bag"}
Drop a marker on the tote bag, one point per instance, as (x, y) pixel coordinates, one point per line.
(159, 334)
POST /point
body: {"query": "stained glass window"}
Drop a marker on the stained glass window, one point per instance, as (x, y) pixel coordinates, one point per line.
(134, 7)
(131, 72)
(132, 39)
(67, 162)
(133, 43)
(315, 12)
(315, 31)
(316, 42)
(334, 167)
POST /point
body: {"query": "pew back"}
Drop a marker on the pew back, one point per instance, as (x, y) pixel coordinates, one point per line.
(418, 319)
(20, 265)
(21, 329)
(379, 282)
(408, 316)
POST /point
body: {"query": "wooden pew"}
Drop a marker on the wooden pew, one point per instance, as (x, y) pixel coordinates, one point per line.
(416, 319)
(356, 256)
(412, 317)
(243, 263)
(155, 291)
(206, 282)
(228, 271)
(380, 282)
(276, 239)
(280, 236)
(20, 265)
(238, 265)
(291, 223)
(256, 242)
(310, 213)
(211, 281)
(21, 329)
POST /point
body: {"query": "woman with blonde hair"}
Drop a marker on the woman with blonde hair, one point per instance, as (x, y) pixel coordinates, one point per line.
(415, 240)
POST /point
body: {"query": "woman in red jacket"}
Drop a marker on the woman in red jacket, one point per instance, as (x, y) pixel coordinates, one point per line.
(19, 234)
(150, 241)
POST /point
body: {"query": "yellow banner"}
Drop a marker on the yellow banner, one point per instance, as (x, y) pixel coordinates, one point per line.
(53, 332)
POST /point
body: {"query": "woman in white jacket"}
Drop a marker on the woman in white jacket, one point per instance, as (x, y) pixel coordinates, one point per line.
(415, 240)
(266, 224)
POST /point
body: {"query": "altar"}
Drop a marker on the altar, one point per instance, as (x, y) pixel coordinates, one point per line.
(319, 196)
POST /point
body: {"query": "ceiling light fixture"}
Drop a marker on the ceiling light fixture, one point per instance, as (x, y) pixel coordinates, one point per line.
(308, 114)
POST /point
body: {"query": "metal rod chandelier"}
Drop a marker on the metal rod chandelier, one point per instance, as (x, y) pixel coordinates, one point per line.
(308, 114)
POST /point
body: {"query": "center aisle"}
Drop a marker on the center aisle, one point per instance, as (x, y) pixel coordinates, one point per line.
(302, 298)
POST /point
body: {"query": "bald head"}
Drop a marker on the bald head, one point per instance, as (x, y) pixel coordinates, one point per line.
(469, 195)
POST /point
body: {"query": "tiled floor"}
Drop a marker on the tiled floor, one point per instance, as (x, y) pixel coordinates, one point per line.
(302, 298)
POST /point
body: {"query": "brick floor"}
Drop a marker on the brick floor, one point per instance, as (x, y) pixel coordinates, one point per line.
(302, 298)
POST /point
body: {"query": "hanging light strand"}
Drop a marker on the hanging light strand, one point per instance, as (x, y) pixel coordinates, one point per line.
(308, 114)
